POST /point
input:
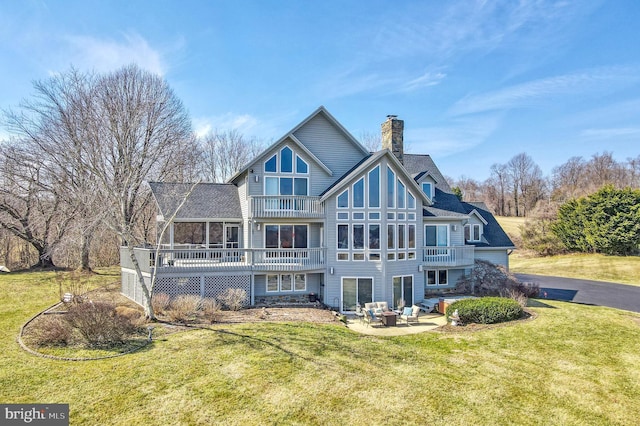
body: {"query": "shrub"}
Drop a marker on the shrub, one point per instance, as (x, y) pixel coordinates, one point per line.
(488, 279)
(184, 308)
(135, 317)
(52, 331)
(486, 310)
(211, 309)
(234, 298)
(160, 302)
(99, 323)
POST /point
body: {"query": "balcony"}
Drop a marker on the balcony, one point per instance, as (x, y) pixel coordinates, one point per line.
(227, 260)
(286, 206)
(458, 256)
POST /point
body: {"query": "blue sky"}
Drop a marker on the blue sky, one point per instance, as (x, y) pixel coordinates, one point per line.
(475, 82)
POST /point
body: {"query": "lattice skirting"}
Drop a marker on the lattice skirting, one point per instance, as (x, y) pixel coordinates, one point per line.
(203, 286)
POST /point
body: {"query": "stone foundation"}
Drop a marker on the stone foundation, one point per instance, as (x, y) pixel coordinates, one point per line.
(286, 300)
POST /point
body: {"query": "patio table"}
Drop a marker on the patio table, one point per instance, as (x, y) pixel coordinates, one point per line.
(389, 318)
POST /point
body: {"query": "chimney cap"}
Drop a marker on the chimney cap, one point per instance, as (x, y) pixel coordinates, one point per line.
(391, 116)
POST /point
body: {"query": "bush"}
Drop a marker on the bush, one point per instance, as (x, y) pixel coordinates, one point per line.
(99, 323)
(52, 331)
(234, 298)
(211, 309)
(135, 317)
(184, 308)
(486, 310)
(487, 279)
(160, 302)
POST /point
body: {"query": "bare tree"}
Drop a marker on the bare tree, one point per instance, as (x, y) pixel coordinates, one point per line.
(371, 141)
(569, 180)
(526, 181)
(225, 152)
(499, 183)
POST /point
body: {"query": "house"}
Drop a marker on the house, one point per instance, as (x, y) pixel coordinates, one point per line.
(317, 215)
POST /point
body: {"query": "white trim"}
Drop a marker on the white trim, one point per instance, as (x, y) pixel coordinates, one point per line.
(364, 193)
(348, 199)
(373, 289)
(368, 174)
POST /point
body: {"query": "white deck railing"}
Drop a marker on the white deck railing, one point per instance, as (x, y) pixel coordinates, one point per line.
(448, 256)
(174, 260)
(286, 206)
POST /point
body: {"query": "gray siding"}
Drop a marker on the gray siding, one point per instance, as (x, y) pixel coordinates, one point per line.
(330, 145)
(497, 256)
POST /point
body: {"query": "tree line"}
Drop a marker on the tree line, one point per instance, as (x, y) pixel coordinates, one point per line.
(73, 171)
(519, 188)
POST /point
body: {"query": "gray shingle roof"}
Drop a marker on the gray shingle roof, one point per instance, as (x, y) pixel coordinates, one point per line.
(493, 234)
(208, 200)
(418, 164)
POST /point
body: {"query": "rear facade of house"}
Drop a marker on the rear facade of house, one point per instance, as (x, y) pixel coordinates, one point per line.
(317, 216)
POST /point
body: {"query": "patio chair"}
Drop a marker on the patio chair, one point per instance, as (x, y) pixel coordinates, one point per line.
(371, 318)
(411, 314)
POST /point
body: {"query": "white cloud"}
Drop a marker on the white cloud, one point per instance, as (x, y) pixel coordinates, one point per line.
(86, 52)
(425, 80)
(459, 136)
(532, 92)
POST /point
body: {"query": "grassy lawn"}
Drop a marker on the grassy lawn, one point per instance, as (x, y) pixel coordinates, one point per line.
(550, 370)
(617, 269)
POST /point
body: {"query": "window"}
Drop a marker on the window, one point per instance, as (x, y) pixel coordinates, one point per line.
(391, 185)
(391, 230)
(301, 166)
(216, 235)
(436, 235)
(412, 236)
(358, 237)
(411, 201)
(358, 256)
(343, 215)
(403, 290)
(374, 187)
(401, 242)
(374, 215)
(189, 233)
(286, 236)
(284, 186)
(426, 188)
(437, 277)
(300, 282)
(286, 160)
(374, 237)
(401, 216)
(271, 165)
(272, 283)
(401, 195)
(286, 282)
(343, 237)
(356, 291)
(472, 232)
(411, 216)
(358, 194)
(343, 256)
(358, 215)
(343, 200)
(391, 216)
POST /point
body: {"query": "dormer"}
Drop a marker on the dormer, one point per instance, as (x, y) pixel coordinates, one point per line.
(427, 183)
(474, 229)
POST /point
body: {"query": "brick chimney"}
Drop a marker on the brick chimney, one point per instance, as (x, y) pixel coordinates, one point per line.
(392, 138)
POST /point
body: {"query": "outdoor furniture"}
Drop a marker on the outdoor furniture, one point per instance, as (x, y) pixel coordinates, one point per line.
(411, 314)
(389, 319)
(377, 307)
(371, 318)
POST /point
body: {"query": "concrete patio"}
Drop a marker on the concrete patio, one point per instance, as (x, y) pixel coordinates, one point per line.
(426, 322)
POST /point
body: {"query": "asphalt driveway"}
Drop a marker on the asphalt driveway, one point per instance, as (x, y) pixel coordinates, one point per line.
(614, 295)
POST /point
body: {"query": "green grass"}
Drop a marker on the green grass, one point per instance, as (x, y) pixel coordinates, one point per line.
(573, 364)
(617, 269)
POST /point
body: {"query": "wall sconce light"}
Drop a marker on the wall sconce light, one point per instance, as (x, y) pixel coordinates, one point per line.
(251, 171)
(420, 268)
(258, 226)
(454, 227)
(257, 178)
(331, 270)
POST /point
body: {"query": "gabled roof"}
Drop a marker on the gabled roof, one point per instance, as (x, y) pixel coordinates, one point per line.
(419, 164)
(493, 235)
(206, 201)
(290, 135)
(366, 163)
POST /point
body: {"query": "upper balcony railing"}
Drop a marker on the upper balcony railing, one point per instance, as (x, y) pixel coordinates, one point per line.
(448, 256)
(286, 206)
(200, 259)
